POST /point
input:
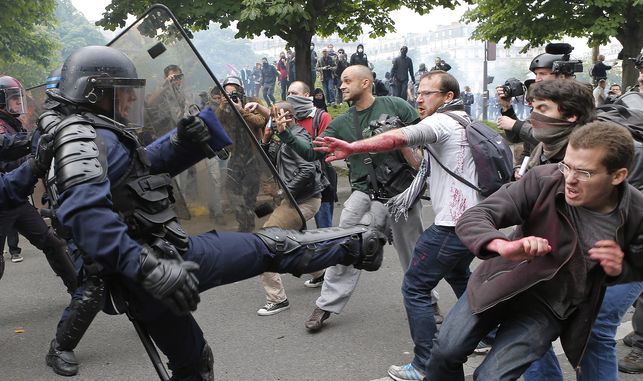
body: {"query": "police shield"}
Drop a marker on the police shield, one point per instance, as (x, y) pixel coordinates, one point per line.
(235, 190)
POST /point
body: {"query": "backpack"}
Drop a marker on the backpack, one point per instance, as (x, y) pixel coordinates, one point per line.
(626, 111)
(491, 154)
(329, 194)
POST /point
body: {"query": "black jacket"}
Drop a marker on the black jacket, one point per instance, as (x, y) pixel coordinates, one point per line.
(302, 178)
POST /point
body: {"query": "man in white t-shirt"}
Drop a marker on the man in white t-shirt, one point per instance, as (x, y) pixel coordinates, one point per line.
(439, 253)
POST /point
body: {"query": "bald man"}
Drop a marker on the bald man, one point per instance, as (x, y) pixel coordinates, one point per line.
(357, 81)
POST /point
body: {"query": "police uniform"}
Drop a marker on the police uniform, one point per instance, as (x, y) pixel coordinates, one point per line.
(113, 198)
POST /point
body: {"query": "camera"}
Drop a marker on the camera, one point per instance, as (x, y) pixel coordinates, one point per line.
(513, 88)
(235, 96)
(638, 61)
(384, 123)
(565, 65)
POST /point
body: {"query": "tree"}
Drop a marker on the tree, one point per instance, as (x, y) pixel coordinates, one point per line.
(540, 22)
(73, 30)
(295, 21)
(26, 46)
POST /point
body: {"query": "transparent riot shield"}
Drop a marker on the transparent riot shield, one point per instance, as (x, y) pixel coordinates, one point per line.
(237, 192)
(35, 106)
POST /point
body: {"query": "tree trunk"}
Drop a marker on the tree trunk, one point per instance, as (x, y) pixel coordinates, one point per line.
(631, 37)
(302, 56)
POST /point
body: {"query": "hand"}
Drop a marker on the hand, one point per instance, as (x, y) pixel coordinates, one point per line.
(506, 123)
(336, 149)
(610, 256)
(267, 134)
(171, 281)
(522, 249)
(251, 106)
(191, 131)
(41, 162)
(503, 101)
(282, 119)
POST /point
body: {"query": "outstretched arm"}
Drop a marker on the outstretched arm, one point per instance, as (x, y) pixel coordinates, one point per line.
(338, 149)
(519, 250)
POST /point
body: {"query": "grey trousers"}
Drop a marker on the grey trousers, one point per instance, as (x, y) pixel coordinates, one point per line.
(340, 281)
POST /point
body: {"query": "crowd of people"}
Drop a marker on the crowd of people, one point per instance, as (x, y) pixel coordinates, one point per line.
(570, 268)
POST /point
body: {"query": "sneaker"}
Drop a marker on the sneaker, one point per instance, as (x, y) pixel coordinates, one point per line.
(62, 362)
(627, 340)
(15, 258)
(405, 372)
(632, 363)
(316, 319)
(273, 308)
(483, 347)
(437, 314)
(314, 282)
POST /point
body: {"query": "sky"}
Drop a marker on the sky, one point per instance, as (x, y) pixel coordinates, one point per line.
(406, 21)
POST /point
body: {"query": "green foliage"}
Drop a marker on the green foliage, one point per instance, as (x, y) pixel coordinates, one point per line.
(539, 22)
(73, 30)
(295, 21)
(26, 47)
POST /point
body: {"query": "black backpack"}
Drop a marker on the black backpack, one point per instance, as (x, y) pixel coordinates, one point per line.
(491, 154)
(627, 111)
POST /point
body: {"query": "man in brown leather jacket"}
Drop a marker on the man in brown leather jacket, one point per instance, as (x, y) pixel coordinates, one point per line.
(579, 229)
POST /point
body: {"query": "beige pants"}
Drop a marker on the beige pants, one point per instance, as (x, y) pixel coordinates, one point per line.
(285, 216)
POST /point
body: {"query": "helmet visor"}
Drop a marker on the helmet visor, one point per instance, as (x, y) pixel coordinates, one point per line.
(129, 105)
(16, 101)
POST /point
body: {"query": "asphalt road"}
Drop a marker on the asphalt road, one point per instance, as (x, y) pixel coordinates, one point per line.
(359, 344)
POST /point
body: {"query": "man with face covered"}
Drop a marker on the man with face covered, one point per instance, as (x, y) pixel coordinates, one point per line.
(401, 72)
(112, 197)
(359, 57)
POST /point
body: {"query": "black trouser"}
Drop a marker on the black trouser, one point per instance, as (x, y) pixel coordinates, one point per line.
(12, 241)
(26, 220)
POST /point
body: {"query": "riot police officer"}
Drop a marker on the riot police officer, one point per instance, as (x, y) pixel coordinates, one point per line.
(23, 216)
(112, 197)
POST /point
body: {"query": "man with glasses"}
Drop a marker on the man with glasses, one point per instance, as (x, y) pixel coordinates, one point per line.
(578, 231)
(439, 253)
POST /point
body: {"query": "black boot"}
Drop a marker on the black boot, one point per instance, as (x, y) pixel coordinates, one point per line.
(62, 362)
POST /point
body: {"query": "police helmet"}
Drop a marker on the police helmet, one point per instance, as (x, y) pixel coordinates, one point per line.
(233, 80)
(13, 99)
(545, 61)
(104, 79)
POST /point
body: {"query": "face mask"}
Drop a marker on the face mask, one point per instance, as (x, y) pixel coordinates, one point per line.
(360, 50)
(549, 130)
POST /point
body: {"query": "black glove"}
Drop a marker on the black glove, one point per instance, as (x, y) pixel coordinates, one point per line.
(191, 132)
(44, 154)
(172, 281)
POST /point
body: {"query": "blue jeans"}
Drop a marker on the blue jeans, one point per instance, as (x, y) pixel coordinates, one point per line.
(329, 89)
(438, 254)
(599, 362)
(324, 216)
(527, 328)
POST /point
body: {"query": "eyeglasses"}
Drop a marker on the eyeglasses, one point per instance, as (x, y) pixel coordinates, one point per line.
(579, 175)
(427, 93)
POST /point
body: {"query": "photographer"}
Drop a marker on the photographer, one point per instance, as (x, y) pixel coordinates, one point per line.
(244, 164)
(326, 66)
(520, 130)
(305, 182)
(440, 64)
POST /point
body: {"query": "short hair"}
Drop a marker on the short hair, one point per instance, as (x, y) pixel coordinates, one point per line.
(572, 97)
(304, 86)
(287, 106)
(170, 68)
(616, 140)
(447, 81)
(601, 57)
(362, 72)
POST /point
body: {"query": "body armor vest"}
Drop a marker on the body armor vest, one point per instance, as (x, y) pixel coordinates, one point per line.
(143, 201)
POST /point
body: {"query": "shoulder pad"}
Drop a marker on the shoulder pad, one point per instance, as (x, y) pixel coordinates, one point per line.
(76, 154)
(48, 121)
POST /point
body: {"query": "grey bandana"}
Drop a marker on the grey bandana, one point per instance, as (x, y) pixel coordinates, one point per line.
(303, 106)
